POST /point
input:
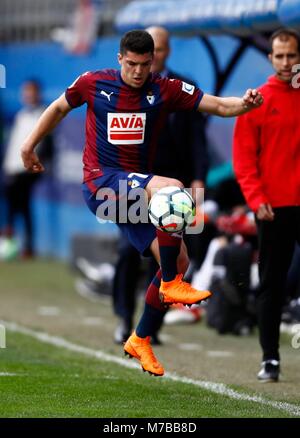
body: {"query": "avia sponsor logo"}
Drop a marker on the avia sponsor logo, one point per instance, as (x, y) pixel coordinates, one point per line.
(126, 128)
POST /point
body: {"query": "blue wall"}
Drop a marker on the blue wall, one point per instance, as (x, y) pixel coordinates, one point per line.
(58, 205)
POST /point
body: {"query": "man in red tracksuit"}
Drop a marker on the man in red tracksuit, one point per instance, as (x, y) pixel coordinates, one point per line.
(266, 157)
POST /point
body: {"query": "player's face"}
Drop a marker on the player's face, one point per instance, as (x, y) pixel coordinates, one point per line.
(135, 68)
(285, 54)
(30, 94)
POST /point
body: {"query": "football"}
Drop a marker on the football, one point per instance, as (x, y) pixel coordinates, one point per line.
(172, 209)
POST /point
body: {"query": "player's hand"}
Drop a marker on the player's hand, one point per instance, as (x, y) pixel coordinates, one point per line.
(31, 161)
(265, 212)
(252, 98)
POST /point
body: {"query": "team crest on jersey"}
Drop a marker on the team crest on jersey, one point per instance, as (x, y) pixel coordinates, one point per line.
(126, 128)
(188, 88)
(134, 183)
(150, 98)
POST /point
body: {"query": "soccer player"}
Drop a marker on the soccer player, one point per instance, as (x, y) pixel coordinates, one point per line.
(126, 109)
(181, 128)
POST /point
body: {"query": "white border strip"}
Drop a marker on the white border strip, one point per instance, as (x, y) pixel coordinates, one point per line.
(217, 388)
(8, 374)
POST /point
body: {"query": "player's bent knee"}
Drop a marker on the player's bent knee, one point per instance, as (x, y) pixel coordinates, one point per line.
(160, 182)
(170, 182)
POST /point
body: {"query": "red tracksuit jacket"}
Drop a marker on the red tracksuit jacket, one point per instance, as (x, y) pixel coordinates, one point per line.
(266, 148)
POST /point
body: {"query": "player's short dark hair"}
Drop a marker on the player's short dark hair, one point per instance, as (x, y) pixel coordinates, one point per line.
(284, 34)
(137, 41)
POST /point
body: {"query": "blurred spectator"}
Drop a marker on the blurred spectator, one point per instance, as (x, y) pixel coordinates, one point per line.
(2, 207)
(231, 309)
(230, 264)
(291, 311)
(18, 183)
(79, 37)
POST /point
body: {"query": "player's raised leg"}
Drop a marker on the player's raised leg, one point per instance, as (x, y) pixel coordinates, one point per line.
(174, 290)
(167, 287)
(171, 254)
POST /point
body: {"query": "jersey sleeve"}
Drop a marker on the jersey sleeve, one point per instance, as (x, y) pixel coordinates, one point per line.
(182, 95)
(77, 93)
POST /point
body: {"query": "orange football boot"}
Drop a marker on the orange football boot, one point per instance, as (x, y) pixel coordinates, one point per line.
(140, 349)
(178, 291)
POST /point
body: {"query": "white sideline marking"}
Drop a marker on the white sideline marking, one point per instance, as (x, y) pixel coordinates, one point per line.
(217, 388)
(190, 347)
(92, 321)
(215, 353)
(7, 374)
(48, 311)
(165, 337)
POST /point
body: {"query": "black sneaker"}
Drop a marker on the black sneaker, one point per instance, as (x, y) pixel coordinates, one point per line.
(269, 372)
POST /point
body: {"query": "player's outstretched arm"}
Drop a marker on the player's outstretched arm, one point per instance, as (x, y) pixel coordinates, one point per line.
(230, 106)
(46, 123)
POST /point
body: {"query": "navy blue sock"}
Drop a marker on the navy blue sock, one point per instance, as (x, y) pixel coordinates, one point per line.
(150, 321)
(169, 249)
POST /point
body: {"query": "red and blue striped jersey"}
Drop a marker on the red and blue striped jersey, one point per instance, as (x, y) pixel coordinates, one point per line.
(122, 122)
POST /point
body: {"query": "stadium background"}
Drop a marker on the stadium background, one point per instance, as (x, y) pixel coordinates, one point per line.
(58, 205)
(60, 360)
